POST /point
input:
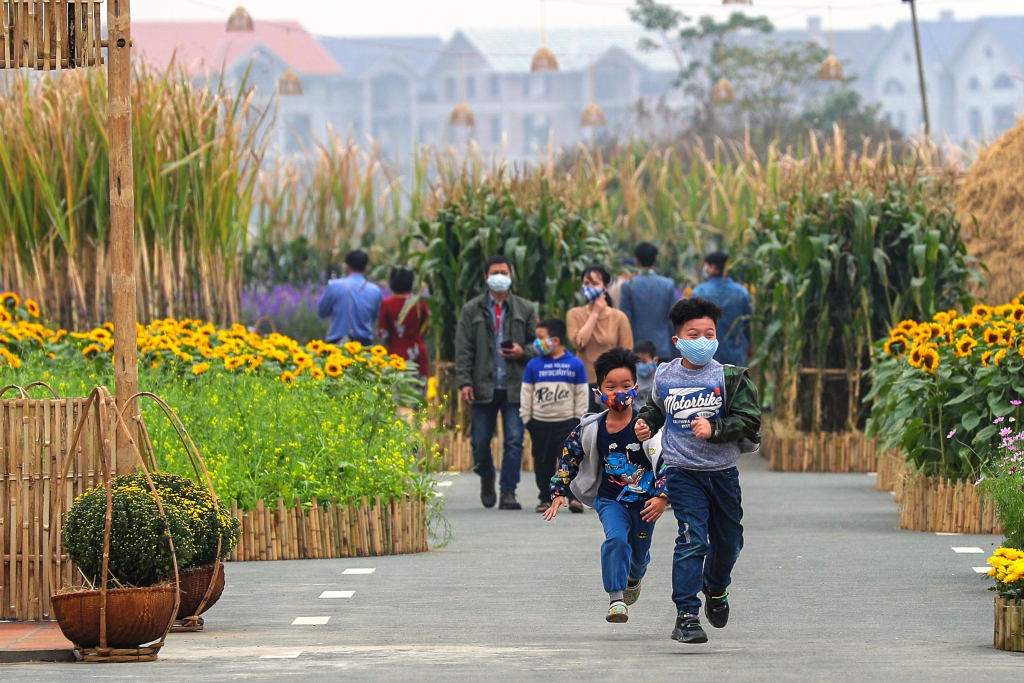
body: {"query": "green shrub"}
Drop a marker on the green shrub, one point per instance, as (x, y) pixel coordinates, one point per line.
(139, 552)
(208, 522)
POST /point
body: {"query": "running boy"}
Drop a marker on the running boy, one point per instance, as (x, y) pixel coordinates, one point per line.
(606, 466)
(645, 370)
(712, 412)
(552, 400)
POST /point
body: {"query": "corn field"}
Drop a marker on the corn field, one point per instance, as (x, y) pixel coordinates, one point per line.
(197, 153)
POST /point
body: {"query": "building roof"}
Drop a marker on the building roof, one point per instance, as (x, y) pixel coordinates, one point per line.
(856, 49)
(203, 45)
(510, 50)
(358, 55)
(1009, 31)
(939, 39)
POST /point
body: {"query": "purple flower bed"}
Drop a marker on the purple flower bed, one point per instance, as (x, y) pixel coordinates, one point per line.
(291, 308)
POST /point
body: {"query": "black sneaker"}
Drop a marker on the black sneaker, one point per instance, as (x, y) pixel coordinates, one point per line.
(487, 495)
(688, 629)
(716, 609)
(508, 501)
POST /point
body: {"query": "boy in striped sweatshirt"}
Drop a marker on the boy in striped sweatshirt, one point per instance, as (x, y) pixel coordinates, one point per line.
(553, 398)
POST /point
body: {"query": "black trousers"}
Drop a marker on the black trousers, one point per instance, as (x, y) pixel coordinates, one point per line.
(548, 443)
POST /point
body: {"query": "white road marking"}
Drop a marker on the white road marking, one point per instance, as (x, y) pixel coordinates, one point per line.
(872, 474)
(964, 551)
(362, 570)
(310, 621)
(444, 483)
(981, 570)
(947, 533)
(283, 655)
(328, 595)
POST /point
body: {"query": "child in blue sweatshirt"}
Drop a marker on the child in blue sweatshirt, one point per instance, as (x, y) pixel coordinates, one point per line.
(606, 466)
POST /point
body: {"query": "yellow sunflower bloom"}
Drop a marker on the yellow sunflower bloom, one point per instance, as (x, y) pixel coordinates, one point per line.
(200, 368)
(33, 308)
(91, 351)
(916, 354)
(981, 311)
(333, 367)
(233, 362)
(964, 346)
(398, 363)
(10, 300)
(379, 350)
(992, 337)
(930, 360)
(316, 373)
(986, 358)
(353, 347)
(997, 359)
(287, 377)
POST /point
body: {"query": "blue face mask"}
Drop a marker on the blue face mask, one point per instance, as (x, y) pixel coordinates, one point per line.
(698, 351)
(592, 294)
(645, 370)
(619, 402)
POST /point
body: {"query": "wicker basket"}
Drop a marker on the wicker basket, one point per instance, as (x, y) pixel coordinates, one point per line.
(139, 615)
(194, 583)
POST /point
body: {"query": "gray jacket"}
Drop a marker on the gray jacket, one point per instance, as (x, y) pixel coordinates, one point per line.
(588, 479)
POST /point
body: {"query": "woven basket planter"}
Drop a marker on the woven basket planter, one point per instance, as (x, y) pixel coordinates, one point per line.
(193, 584)
(1009, 630)
(135, 616)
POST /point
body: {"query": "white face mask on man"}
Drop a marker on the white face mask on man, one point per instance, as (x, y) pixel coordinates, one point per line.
(499, 283)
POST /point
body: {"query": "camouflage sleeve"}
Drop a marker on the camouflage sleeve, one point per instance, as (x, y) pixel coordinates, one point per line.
(744, 418)
(568, 465)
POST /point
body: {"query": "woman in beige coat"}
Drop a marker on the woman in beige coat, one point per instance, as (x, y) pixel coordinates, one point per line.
(597, 327)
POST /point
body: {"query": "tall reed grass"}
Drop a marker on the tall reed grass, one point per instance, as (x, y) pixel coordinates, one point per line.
(197, 151)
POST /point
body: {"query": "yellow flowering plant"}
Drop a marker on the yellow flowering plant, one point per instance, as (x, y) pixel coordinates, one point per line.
(944, 390)
(1008, 571)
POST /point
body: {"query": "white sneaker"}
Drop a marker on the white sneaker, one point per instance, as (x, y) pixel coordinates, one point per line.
(617, 613)
(630, 595)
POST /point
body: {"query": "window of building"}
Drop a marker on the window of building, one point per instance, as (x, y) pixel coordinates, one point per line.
(974, 83)
(451, 90)
(495, 86)
(496, 129)
(974, 121)
(298, 132)
(536, 128)
(1003, 82)
(892, 87)
(470, 87)
(1003, 118)
(537, 86)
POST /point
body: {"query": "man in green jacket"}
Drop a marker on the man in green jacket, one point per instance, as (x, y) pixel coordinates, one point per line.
(493, 343)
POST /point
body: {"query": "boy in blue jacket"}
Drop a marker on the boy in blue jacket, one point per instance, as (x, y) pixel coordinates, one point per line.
(607, 467)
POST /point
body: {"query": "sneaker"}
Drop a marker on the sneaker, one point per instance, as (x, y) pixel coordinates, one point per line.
(716, 609)
(630, 595)
(688, 629)
(617, 613)
(487, 495)
(508, 501)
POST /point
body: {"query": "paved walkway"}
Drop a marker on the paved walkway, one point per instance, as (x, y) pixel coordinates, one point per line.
(826, 590)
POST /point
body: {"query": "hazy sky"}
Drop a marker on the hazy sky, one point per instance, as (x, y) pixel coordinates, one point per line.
(442, 17)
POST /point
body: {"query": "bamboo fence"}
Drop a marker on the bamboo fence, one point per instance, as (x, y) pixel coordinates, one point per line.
(458, 453)
(35, 435)
(821, 452)
(891, 467)
(945, 506)
(1009, 627)
(378, 527)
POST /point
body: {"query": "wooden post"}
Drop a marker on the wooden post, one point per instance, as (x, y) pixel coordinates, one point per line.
(122, 217)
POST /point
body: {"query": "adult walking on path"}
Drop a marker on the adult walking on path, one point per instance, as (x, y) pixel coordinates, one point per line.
(596, 327)
(352, 303)
(734, 300)
(493, 343)
(403, 334)
(646, 301)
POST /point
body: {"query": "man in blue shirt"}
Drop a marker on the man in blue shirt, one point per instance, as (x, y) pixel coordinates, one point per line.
(352, 303)
(734, 300)
(646, 301)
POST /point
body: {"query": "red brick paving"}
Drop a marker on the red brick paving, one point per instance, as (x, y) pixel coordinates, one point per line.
(32, 640)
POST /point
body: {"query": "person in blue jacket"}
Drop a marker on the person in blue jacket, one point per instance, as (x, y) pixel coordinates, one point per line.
(734, 300)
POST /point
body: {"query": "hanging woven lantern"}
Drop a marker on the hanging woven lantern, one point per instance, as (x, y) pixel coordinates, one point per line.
(544, 60)
(240, 21)
(289, 84)
(462, 116)
(723, 92)
(831, 70)
(593, 117)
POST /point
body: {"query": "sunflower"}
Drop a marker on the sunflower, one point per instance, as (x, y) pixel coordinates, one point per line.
(930, 360)
(986, 358)
(353, 347)
(398, 363)
(961, 325)
(91, 351)
(997, 359)
(964, 346)
(233, 362)
(896, 346)
(316, 346)
(1016, 313)
(10, 300)
(992, 337)
(907, 327)
(929, 331)
(981, 311)
(287, 377)
(33, 308)
(200, 368)
(379, 350)
(332, 367)
(916, 355)
(9, 358)
(255, 362)
(5, 317)
(316, 373)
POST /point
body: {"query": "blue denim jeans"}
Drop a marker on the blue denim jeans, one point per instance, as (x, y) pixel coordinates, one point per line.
(626, 550)
(485, 419)
(707, 506)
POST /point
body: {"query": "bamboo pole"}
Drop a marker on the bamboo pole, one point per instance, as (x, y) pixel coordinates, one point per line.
(122, 217)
